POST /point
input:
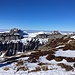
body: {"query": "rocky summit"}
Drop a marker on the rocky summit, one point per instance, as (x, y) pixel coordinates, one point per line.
(13, 34)
(38, 53)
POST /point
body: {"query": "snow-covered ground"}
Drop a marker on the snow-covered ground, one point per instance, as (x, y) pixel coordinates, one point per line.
(49, 72)
(73, 37)
(67, 53)
(53, 68)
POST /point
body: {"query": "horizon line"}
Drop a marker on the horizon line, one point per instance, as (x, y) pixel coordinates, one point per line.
(39, 30)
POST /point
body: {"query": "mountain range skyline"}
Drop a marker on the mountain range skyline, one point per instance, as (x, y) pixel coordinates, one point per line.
(33, 31)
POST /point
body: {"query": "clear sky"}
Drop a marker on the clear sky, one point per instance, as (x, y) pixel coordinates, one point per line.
(38, 14)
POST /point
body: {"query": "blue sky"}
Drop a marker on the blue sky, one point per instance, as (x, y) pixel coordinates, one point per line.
(38, 14)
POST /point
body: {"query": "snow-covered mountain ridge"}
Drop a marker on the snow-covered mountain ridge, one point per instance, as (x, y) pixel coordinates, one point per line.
(55, 57)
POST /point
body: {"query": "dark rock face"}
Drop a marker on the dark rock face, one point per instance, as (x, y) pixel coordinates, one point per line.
(16, 31)
(13, 34)
(33, 44)
(12, 48)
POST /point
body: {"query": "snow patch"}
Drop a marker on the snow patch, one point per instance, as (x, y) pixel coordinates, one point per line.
(73, 37)
(67, 53)
(60, 46)
(35, 34)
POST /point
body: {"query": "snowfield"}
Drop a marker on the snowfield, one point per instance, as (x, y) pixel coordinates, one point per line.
(67, 53)
(36, 33)
(73, 37)
(54, 69)
(49, 72)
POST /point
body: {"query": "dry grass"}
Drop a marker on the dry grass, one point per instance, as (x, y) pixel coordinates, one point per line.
(22, 68)
(67, 46)
(6, 68)
(59, 58)
(68, 59)
(50, 57)
(67, 67)
(38, 68)
(45, 68)
(70, 45)
(56, 42)
(35, 56)
(20, 62)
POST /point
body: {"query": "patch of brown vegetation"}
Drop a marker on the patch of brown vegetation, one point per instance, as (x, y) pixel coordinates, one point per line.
(69, 59)
(67, 67)
(45, 68)
(59, 58)
(53, 43)
(22, 68)
(38, 68)
(70, 45)
(20, 62)
(35, 56)
(42, 53)
(56, 42)
(50, 57)
(6, 68)
(67, 46)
